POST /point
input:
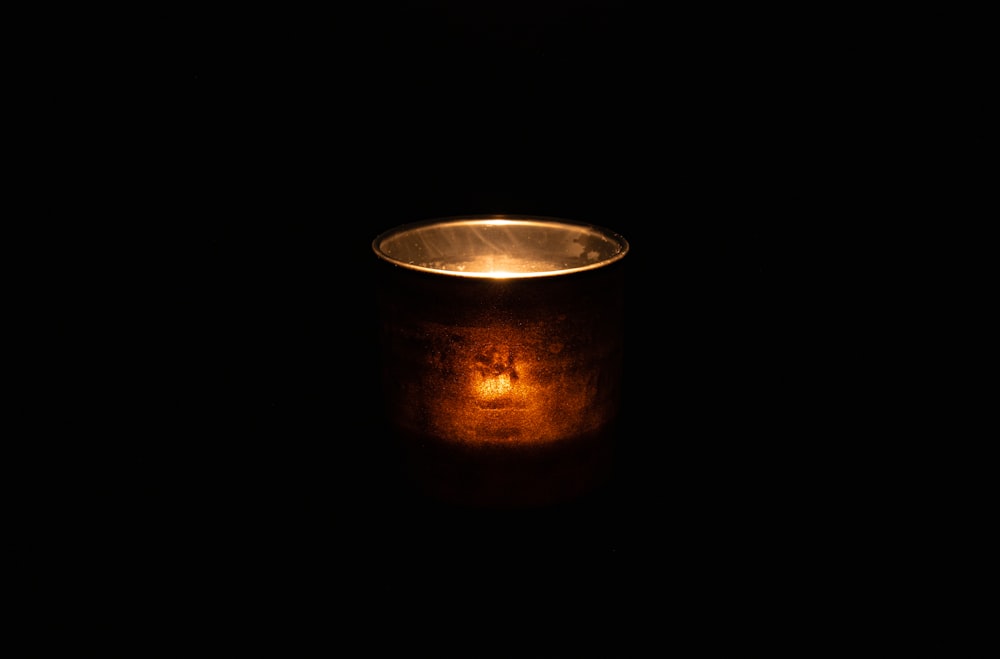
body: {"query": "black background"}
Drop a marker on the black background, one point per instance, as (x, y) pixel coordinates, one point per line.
(243, 478)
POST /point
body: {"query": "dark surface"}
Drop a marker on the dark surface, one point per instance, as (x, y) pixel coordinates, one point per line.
(249, 475)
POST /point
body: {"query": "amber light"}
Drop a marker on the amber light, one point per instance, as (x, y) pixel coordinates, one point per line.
(502, 353)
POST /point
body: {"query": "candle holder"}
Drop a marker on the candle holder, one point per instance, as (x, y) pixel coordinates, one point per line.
(502, 354)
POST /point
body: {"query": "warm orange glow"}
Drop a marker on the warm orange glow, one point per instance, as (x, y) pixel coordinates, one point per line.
(494, 388)
(513, 385)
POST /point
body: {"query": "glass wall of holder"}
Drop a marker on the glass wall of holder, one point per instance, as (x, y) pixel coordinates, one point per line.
(501, 351)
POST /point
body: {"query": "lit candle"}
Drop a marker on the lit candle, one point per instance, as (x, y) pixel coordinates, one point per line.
(502, 355)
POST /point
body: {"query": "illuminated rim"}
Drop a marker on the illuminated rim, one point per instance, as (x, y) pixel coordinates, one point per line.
(442, 246)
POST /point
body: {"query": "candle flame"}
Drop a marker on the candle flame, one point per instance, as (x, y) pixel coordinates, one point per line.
(494, 387)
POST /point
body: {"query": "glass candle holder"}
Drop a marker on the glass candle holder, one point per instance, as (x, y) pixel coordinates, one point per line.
(502, 353)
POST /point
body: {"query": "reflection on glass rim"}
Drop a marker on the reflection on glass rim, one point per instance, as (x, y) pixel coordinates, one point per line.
(500, 246)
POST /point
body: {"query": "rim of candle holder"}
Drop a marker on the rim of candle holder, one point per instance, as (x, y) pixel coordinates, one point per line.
(598, 246)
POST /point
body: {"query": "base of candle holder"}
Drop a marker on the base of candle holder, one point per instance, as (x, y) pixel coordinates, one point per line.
(507, 476)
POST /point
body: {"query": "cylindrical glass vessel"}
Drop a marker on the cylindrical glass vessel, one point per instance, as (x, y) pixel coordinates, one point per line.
(502, 351)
